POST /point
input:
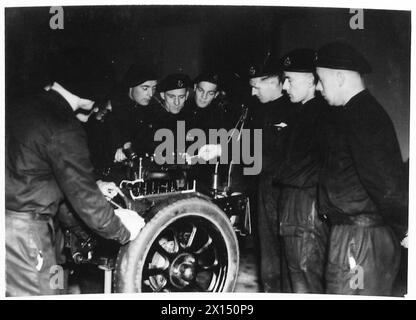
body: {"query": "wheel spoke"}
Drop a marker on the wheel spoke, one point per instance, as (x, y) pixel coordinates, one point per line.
(205, 246)
(186, 256)
(163, 251)
(191, 237)
(175, 239)
(204, 267)
(153, 272)
(157, 282)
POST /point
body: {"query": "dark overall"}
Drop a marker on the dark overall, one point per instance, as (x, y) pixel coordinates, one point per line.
(275, 119)
(362, 196)
(303, 233)
(47, 161)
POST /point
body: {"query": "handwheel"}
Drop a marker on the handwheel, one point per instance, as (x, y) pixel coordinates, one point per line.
(188, 246)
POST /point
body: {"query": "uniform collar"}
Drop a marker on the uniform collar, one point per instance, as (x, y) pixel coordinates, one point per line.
(358, 96)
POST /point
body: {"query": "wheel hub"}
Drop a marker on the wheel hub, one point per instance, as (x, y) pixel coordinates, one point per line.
(182, 270)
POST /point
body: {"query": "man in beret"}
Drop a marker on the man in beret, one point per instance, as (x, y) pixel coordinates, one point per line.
(47, 161)
(273, 116)
(204, 111)
(303, 234)
(133, 108)
(362, 186)
(173, 92)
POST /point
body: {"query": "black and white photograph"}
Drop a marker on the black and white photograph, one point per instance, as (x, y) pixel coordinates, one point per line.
(250, 148)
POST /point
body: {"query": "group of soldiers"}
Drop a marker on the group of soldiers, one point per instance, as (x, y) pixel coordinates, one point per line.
(331, 196)
(332, 193)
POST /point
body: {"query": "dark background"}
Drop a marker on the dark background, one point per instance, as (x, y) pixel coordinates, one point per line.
(196, 38)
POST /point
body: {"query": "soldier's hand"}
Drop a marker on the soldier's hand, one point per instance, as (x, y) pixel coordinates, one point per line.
(109, 189)
(210, 151)
(131, 220)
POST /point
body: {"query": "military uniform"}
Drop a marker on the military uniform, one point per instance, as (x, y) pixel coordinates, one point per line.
(304, 234)
(361, 188)
(273, 118)
(133, 121)
(47, 160)
(159, 117)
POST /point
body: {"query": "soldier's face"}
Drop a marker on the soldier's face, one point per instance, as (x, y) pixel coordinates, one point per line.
(298, 86)
(205, 92)
(175, 99)
(328, 85)
(265, 89)
(143, 93)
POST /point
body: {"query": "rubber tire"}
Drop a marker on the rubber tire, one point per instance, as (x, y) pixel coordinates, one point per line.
(131, 257)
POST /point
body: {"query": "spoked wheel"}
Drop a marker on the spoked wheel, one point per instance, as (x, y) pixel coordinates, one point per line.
(187, 246)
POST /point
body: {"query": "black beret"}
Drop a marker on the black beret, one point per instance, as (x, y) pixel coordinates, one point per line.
(175, 81)
(139, 73)
(83, 72)
(211, 77)
(299, 60)
(338, 55)
(269, 67)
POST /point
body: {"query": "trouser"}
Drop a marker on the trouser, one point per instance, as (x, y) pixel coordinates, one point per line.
(31, 267)
(305, 254)
(304, 237)
(268, 235)
(362, 260)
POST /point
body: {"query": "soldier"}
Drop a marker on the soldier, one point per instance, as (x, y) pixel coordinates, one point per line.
(274, 117)
(204, 111)
(304, 235)
(47, 161)
(173, 91)
(362, 187)
(133, 108)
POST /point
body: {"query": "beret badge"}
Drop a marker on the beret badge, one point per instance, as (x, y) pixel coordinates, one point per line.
(180, 84)
(287, 62)
(252, 71)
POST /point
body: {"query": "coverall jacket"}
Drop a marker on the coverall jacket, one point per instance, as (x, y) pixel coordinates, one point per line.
(363, 195)
(47, 160)
(275, 119)
(304, 234)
